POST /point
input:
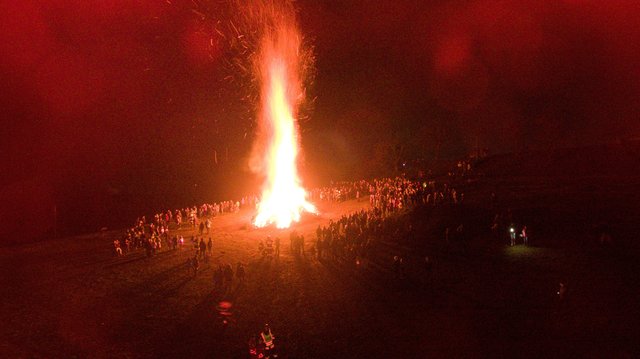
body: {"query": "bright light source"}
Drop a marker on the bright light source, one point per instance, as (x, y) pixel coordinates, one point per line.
(283, 197)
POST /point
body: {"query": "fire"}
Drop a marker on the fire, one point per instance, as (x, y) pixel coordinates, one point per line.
(278, 63)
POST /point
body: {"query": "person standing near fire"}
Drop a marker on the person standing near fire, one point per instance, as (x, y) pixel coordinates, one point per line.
(207, 225)
(202, 248)
(267, 338)
(195, 265)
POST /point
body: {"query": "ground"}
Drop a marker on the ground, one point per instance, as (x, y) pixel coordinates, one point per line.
(72, 298)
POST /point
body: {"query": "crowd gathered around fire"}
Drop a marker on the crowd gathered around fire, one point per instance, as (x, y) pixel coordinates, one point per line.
(357, 240)
(154, 235)
(348, 239)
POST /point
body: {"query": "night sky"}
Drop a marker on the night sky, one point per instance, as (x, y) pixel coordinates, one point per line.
(115, 108)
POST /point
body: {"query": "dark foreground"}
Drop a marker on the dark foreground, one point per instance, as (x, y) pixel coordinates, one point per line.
(72, 298)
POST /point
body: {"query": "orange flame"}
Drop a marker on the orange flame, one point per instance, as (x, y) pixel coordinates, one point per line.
(283, 197)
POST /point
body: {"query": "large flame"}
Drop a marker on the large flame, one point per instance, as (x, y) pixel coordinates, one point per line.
(283, 197)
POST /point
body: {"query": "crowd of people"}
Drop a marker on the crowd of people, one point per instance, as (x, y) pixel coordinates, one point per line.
(462, 168)
(224, 274)
(208, 210)
(153, 235)
(389, 193)
(350, 239)
(340, 191)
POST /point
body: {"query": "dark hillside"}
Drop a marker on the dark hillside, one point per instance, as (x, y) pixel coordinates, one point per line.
(616, 159)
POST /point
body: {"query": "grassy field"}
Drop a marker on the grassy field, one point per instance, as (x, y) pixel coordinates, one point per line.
(72, 298)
